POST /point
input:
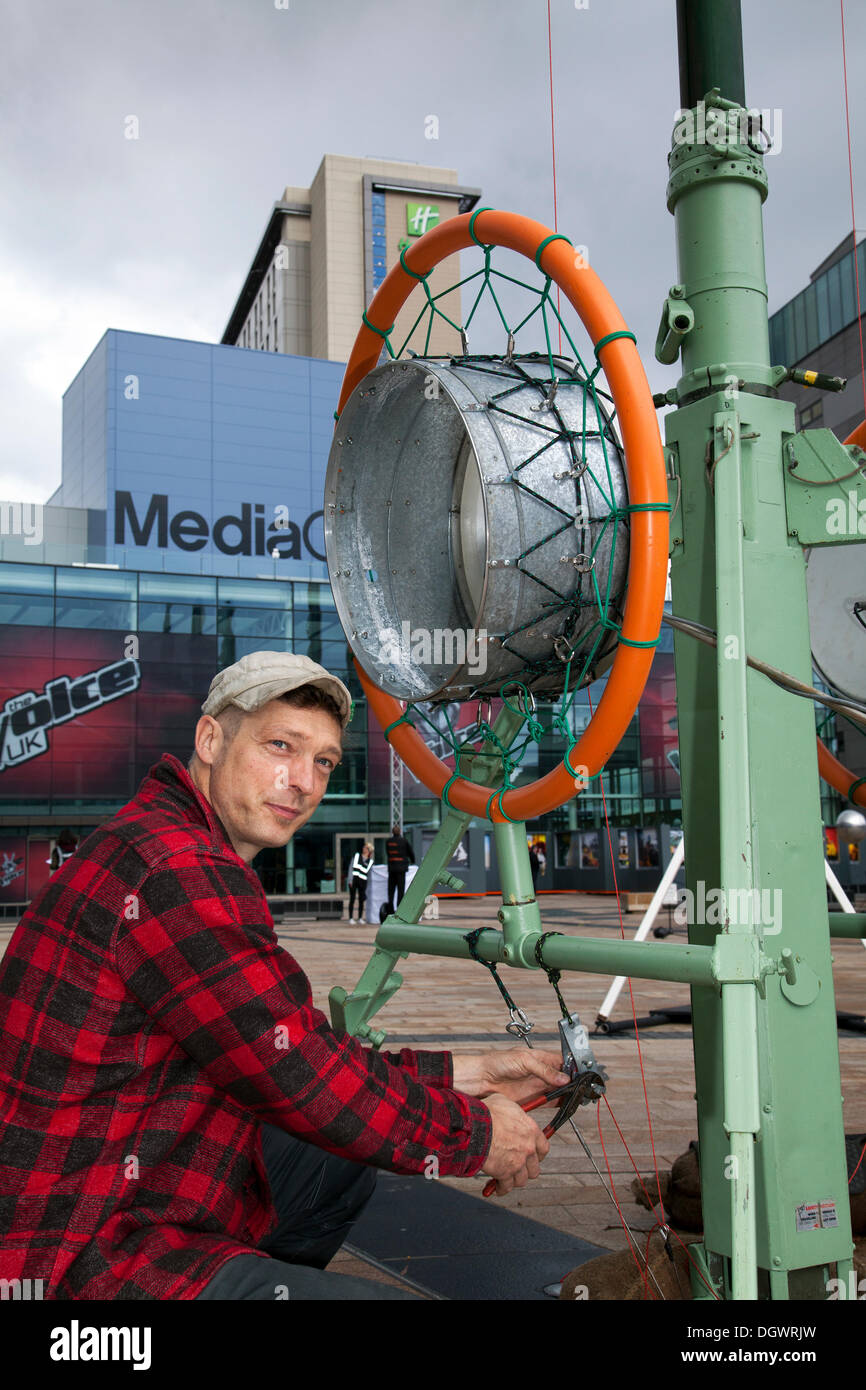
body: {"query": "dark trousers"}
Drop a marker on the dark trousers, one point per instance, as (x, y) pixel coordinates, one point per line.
(358, 885)
(396, 886)
(318, 1198)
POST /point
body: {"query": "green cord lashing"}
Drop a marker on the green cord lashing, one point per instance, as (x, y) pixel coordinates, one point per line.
(609, 338)
(553, 976)
(475, 214)
(860, 782)
(409, 271)
(404, 719)
(555, 236)
(382, 332)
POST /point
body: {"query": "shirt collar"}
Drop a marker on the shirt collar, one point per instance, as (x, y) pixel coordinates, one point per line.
(174, 778)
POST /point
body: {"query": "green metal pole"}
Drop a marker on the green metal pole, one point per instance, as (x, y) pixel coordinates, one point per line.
(710, 40)
(519, 913)
(739, 1000)
(766, 1055)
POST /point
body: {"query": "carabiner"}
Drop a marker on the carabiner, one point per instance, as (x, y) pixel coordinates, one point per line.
(519, 1027)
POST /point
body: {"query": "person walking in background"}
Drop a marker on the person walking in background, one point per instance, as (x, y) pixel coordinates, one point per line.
(534, 866)
(400, 856)
(359, 872)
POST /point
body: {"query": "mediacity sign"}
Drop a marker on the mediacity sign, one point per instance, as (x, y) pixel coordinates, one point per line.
(246, 531)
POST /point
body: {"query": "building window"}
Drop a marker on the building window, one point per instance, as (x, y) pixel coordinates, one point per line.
(26, 610)
(811, 415)
(380, 268)
(177, 588)
(194, 619)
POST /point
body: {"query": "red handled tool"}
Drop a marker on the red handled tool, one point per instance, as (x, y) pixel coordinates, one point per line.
(570, 1097)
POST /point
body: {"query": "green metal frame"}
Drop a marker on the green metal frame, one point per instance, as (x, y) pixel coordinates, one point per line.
(768, 1090)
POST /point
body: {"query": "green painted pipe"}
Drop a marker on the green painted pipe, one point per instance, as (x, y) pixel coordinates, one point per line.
(594, 955)
(710, 34)
(848, 924)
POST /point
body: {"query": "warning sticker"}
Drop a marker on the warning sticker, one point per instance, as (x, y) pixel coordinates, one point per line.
(816, 1216)
(828, 1214)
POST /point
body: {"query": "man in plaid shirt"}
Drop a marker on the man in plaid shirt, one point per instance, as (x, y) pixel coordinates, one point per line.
(177, 1120)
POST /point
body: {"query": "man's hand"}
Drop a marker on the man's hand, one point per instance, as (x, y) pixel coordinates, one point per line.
(519, 1073)
(517, 1146)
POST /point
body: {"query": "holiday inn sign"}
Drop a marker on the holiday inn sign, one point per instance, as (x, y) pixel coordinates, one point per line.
(420, 217)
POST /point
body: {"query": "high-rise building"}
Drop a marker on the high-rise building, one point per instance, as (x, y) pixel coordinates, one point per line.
(819, 329)
(327, 248)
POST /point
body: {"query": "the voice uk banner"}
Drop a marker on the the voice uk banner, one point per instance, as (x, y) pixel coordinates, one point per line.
(83, 715)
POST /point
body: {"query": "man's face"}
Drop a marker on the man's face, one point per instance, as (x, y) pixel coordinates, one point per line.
(266, 772)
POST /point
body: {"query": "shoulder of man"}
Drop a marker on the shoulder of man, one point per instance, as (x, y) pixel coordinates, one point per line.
(167, 820)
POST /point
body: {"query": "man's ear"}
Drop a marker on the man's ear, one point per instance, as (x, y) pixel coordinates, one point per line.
(209, 739)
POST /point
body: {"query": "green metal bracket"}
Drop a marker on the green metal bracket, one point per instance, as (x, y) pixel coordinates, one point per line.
(675, 497)
(379, 981)
(707, 1274)
(800, 984)
(738, 959)
(678, 319)
(833, 510)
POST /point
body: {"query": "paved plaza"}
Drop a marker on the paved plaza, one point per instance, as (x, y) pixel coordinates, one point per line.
(455, 1004)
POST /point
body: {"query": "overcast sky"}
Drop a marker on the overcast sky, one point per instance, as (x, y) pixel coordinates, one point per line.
(237, 98)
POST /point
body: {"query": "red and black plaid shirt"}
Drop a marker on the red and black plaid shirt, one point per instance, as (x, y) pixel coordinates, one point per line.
(149, 1023)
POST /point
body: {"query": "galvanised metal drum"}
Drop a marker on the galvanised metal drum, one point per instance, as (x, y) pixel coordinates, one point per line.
(475, 526)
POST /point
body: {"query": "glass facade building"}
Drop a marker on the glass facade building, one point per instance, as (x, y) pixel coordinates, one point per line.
(819, 312)
(186, 532)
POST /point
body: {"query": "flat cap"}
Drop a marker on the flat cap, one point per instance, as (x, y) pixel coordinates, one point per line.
(263, 676)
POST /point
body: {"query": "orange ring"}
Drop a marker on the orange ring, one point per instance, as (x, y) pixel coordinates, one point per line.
(645, 470)
(832, 771)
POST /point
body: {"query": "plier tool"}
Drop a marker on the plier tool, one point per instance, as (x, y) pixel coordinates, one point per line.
(586, 1086)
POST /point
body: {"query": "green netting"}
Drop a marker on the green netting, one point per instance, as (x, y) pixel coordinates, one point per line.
(592, 591)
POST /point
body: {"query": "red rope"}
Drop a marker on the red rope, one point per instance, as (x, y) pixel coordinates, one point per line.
(658, 1225)
(553, 157)
(851, 183)
(641, 1268)
(859, 1161)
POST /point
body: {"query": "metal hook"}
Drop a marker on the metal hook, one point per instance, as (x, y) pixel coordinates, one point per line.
(485, 700)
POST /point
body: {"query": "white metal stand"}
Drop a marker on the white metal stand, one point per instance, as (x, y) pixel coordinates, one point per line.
(645, 927)
(839, 893)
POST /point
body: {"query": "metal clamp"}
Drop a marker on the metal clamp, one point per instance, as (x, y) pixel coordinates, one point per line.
(582, 563)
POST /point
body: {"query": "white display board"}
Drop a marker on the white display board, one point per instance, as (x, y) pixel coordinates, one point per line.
(377, 889)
